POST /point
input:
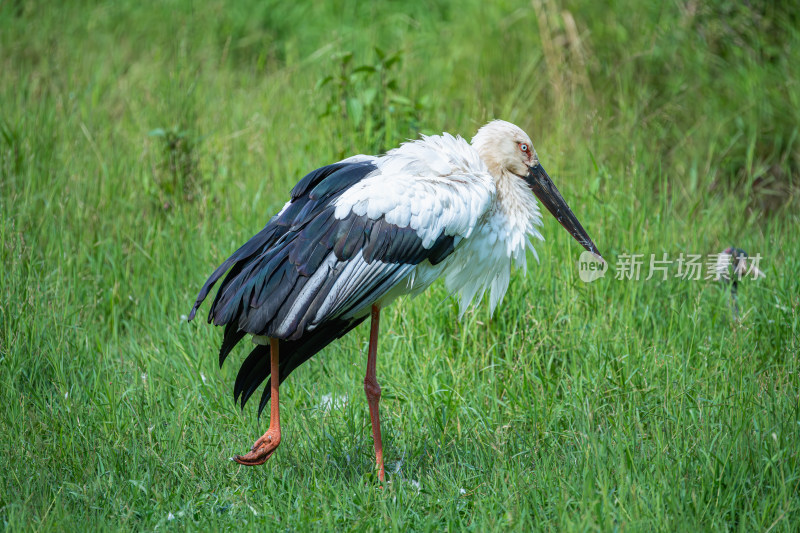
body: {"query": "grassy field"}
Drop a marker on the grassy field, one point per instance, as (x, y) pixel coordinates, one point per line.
(140, 145)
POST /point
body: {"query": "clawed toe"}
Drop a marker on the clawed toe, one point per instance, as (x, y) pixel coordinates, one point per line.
(262, 450)
(255, 457)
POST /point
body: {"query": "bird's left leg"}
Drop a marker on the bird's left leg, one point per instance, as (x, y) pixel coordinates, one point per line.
(269, 441)
(734, 301)
(373, 390)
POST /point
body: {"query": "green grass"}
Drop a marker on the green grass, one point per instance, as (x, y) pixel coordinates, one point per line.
(140, 145)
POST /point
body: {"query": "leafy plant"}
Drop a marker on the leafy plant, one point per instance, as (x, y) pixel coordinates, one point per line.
(177, 176)
(371, 99)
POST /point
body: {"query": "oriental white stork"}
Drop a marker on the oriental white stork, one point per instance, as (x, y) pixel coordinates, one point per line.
(357, 234)
(733, 264)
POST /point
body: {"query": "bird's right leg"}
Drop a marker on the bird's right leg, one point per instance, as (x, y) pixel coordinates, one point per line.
(269, 441)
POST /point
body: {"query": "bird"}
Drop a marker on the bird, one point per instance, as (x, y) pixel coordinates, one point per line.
(357, 234)
(733, 264)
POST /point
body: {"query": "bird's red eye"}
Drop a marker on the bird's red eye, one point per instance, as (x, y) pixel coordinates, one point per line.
(523, 147)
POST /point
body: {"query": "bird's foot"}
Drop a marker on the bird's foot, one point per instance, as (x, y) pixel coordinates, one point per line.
(262, 449)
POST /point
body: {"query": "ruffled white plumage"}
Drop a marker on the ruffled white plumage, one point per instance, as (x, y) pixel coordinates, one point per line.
(440, 185)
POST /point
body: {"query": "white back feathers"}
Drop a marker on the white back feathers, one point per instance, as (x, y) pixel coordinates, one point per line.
(441, 184)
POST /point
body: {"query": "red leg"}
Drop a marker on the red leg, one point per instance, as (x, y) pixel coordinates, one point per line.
(373, 390)
(269, 441)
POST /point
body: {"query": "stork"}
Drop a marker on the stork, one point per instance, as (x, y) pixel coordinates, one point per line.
(733, 264)
(357, 234)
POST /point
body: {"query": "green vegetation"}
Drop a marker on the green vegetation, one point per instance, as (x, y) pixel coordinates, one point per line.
(140, 144)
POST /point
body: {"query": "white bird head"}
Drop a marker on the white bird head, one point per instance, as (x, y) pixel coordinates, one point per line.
(506, 149)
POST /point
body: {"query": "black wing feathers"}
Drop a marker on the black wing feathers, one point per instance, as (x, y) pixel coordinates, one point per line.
(343, 175)
(232, 337)
(256, 368)
(262, 238)
(272, 272)
(347, 174)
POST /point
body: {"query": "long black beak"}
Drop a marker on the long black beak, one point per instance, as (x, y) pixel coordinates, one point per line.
(544, 189)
